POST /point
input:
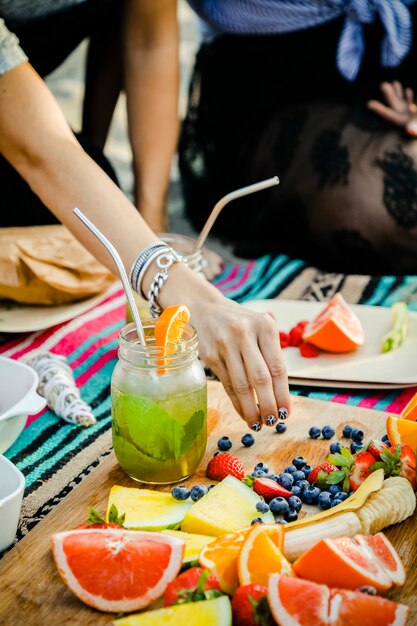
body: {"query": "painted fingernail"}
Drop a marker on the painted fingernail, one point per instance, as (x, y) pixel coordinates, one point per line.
(270, 420)
(282, 413)
(256, 426)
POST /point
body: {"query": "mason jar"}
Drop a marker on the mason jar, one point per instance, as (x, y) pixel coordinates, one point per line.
(159, 406)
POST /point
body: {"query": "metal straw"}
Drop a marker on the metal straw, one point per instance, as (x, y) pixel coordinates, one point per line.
(122, 272)
(244, 191)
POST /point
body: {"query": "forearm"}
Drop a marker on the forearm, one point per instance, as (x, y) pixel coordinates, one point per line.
(151, 83)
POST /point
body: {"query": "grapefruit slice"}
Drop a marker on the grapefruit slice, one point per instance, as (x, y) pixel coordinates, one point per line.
(342, 562)
(294, 601)
(386, 555)
(220, 558)
(336, 328)
(116, 570)
(402, 431)
(352, 607)
(215, 612)
(261, 554)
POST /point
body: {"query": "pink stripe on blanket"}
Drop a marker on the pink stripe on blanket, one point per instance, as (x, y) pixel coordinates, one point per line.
(341, 398)
(243, 278)
(229, 278)
(402, 400)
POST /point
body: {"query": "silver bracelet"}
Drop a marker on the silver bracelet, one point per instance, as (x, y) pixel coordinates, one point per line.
(164, 262)
(137, 270)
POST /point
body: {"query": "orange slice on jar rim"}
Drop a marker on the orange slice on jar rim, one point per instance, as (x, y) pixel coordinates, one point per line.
(169, 326)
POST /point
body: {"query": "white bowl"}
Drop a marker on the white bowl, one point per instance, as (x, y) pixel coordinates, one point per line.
(12, 485)
(18, 399)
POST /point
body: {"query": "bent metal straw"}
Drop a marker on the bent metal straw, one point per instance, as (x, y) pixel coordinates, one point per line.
(233, 195)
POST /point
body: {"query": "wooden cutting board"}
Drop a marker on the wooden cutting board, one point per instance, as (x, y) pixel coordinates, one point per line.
(31, 591)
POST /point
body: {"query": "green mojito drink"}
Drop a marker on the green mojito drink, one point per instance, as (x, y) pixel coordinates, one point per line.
(159, 413)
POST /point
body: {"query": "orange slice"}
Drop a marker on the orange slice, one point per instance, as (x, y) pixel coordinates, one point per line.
(117, 570)
(261, 554)
(336, 328)
(343, 562)
(220, 558)
(409, 412)
(402, 431)
(170, 325)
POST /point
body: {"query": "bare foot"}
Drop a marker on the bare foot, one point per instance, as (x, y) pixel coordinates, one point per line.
(400, 108)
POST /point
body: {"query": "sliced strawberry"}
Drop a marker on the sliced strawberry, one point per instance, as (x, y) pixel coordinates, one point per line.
(250, 606)
(284, 339)
(302, 324)
(224, 465)
(399, 460)
(95, 526)
(269, 489)
(319, 473)
(376, 447)
(191, 586)
(308, 351)
(296, 336)
(361, 469)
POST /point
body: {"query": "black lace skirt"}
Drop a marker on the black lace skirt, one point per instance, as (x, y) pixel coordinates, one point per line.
(260, 106)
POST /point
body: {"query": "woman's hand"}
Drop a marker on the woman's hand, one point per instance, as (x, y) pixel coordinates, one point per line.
(400, 108)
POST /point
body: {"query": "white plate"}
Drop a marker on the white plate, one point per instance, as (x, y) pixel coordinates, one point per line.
(27, 318)
(366, 365)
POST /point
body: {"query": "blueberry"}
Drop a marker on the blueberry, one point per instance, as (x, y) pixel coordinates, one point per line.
(197, 492)
(259, 474)
(286, 480)
(280, 427)
(296, 490)
(282, 521)
(224, 444)
(290, 469)
(386, 440)
(295, 503)
(248, 440)
(347, 431)
(327, 432)
(273, 477)
(325, 500)
(291, 516)
(334, 489)
(180, 493)
(278, 506)
(306, 470)
(257, 520)
(355, 446)
(335, 502)
(299, 462)
(262, 507)
(262, 466)
(335, 448)
(310, 495)
(342, 495)
(314, 432)
(357, 434)
(298, 475)
(302, 483)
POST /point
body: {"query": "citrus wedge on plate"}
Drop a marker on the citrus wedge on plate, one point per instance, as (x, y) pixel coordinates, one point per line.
(402, 431)
(220, 558)
(170, 325)
(193, 544)
(215, 612)
(336, 328)
(146, 509)
(262, 554)
(117, 570)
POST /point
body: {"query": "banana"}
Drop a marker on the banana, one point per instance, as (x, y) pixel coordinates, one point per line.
(390, 505)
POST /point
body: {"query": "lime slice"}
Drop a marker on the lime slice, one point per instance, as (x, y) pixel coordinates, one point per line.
(193, 544)
(146, 509)
(215, 612)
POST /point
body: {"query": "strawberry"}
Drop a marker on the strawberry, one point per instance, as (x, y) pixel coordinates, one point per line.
(361, 469)
(269, 489)
(399, 460)
(284, 339)
(302, 324)
(308, 351)
(96, 521)
(296, 336)
(192, 585)
(376, 447)
(93, 526)
(319, 473)
(250, 606)
(224, 465)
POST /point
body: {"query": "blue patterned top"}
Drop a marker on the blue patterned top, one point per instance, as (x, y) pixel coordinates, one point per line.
(283, 16)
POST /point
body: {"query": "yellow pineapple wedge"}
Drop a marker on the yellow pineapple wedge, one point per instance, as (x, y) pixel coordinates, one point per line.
(217, 612)
(229, 506)
(193, 543)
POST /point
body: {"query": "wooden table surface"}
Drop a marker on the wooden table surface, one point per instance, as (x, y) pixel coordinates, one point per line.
(32, 592)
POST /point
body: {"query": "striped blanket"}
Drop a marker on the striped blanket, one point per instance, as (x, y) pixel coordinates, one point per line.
(55, 456)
